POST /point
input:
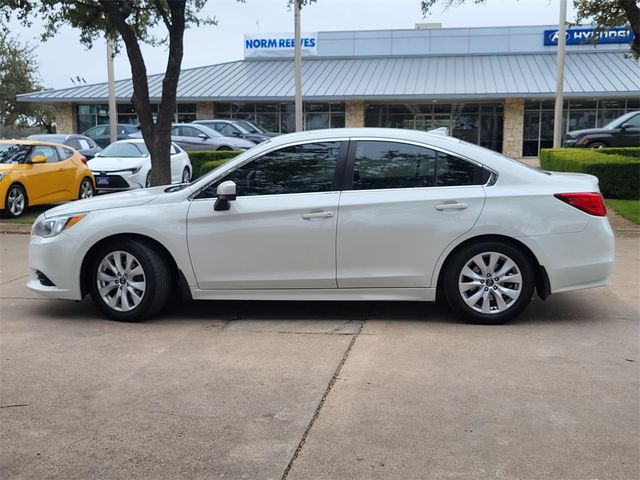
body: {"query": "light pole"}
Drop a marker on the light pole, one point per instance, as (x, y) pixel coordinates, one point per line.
(113, 114)
(562, 41)
(298, 67)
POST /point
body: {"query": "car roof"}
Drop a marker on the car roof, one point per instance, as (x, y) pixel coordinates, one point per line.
(31, 143)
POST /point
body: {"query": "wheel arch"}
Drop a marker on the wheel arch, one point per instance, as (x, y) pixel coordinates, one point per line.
(542, 286)
(24, 189)
(176, 274)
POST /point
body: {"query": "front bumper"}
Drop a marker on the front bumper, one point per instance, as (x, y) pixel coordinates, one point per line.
(119, 181)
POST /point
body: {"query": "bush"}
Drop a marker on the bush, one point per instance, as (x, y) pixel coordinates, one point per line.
(198, 159)
(618, 173)
(210, 165)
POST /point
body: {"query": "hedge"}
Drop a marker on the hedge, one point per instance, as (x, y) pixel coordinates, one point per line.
(617, 169)
(217, 157)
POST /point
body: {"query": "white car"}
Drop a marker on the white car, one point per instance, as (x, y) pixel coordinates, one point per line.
(342, 214)
(126, 164)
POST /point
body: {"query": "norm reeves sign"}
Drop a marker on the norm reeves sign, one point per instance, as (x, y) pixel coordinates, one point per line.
(583, 36)
(269, 45)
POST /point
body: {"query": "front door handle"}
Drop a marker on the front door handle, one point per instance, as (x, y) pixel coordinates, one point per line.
(451, 206)
(314, 215)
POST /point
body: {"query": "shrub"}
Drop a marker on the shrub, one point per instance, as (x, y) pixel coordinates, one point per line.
(210, 165)
(624, 151)
(618, 174)
(198, 159)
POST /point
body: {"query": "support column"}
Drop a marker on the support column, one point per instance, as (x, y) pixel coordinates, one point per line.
(513, 127)
(66, 121)
(205, 111)
(354, 114)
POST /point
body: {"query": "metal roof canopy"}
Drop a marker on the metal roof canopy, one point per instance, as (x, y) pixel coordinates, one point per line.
(392, 78)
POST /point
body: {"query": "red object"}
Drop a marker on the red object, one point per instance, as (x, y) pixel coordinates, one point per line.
(591, 203)
(83, 159)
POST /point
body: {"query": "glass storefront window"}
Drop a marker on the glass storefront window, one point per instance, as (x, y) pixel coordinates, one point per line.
(91, 115)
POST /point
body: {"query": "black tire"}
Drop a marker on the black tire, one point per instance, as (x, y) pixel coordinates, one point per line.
(186, 175)
(598, 145)
(224, 148)
(147, 182)
(13, 206)
(86, 189)
(501, 307)
(155, 275)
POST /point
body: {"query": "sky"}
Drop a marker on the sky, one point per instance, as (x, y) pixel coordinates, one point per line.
(63, 57)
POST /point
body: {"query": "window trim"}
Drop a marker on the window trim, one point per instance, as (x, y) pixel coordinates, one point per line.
(338, 176)
(347, 184)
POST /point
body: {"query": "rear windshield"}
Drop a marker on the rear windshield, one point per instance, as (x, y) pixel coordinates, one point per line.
(125, 149)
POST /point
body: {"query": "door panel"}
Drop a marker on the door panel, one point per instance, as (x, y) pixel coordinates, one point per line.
(264, 242)
(393, 238)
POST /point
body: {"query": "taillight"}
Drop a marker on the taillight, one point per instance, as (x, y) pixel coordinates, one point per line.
(83, 159)
(591, 203)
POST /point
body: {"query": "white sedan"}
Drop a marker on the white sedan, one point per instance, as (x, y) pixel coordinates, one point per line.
(342, 214)
(126, 164)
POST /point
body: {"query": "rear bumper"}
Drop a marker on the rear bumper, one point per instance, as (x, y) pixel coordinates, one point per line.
(579, 260)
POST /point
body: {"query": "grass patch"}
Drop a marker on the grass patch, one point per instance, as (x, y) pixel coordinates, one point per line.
(629, 209)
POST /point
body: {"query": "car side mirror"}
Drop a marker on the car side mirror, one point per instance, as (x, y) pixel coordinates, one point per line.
(624, 126)
(226, 192)
(235, 134)
(39, 159)
(203, 136)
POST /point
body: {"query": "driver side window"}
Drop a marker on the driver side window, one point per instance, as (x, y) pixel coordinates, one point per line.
(306, 168)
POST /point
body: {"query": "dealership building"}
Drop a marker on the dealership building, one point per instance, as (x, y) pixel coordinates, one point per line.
(491, 86)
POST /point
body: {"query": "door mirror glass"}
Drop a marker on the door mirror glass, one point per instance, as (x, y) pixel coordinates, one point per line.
(203, 136)
(226, 192)
(39, 159)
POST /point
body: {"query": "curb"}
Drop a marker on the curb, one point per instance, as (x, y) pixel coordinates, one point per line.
(15, 228)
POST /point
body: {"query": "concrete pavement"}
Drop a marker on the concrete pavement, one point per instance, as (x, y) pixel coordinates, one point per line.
(320, 390)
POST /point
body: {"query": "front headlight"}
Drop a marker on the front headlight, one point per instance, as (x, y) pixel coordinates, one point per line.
(50, 227)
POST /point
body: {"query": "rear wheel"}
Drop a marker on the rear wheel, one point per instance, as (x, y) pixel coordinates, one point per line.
(15, 203)
(130, 281)
(86, 189)
(224, 148)
(489, 282)
(186, 176)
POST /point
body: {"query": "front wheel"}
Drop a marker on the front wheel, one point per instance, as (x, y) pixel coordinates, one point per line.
(86, 189)
(186, 176)
(130, 281)
(489, 282)
(15, 203)
(597, 145)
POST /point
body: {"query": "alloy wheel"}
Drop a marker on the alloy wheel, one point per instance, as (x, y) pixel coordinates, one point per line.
(86, 189)
(185, 176)
(121, 281)
(16, 201)
(490, 283)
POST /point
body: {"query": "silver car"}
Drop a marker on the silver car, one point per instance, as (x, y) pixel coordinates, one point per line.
(200, 137)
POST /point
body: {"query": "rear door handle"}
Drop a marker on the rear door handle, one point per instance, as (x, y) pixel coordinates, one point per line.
(313, 215)
(451, 206)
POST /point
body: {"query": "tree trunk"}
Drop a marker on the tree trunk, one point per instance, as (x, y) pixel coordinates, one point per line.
(157, 136)
(632, 12)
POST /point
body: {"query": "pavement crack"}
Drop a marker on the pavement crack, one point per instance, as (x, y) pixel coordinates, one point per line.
(316, 414)
(13, 280)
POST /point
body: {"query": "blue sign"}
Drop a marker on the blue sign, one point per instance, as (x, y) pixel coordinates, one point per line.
(584, 36)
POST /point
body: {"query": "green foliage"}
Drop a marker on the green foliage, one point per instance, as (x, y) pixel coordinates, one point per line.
(19, 74)
(629, 209)
(618, 173)
(204, 161)
(625, 151)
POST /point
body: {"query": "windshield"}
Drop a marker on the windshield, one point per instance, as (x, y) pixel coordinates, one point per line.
(209, 131)
(252, 127)
(126, 150)
(14, 153)
(620, 120)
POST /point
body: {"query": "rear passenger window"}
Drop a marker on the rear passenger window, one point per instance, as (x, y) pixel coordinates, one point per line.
(64, 153)
(383, 165)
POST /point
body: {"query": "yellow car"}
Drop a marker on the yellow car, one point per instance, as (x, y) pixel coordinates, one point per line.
(35, 173)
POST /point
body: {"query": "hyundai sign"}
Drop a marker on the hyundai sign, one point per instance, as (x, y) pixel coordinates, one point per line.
(269, 45)
(584, 36)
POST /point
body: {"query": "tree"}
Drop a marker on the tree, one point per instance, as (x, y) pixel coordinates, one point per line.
(604, 14)
(18, 74)
(132, 22)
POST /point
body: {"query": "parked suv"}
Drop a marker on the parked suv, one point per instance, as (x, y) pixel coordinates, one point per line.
(624, 131)
(231, 128)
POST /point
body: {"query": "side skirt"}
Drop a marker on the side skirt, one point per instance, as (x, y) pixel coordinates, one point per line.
(329, 294)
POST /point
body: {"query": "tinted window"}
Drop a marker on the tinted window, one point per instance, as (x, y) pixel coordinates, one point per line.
(227, 130)
(97, 131)
(452, 171)
(297, 169)
(392, 165)
(14, 153)
(48, 152)
(73, 143)
(64, 153)
(380, 165)
(634, 121)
